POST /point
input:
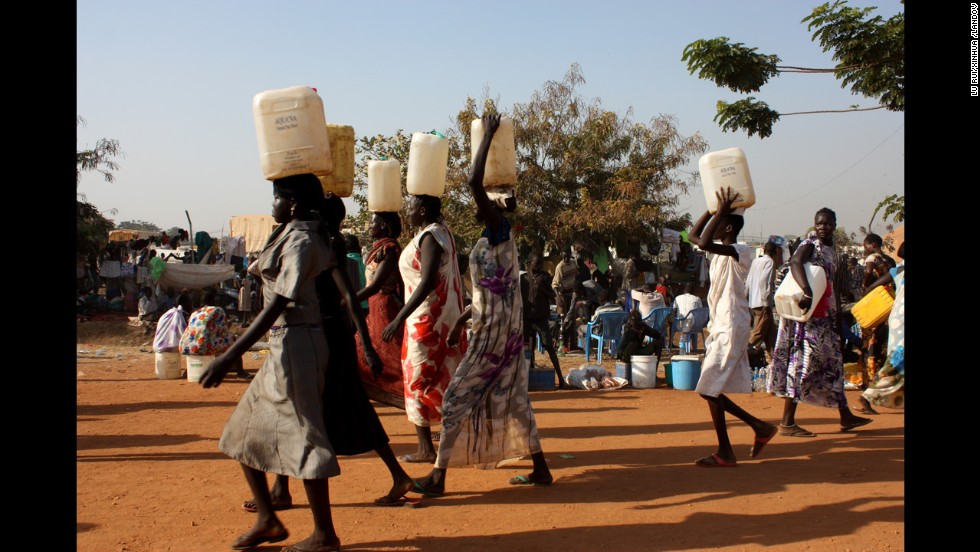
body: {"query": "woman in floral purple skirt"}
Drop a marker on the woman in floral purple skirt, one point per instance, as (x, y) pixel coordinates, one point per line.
(807, 361)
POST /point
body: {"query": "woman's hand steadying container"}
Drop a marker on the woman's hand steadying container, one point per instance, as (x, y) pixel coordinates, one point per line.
(805, 303)
(726, 197)
(491, 122)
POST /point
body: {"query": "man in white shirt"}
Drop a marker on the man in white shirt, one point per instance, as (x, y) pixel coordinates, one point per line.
(761, 289)
(686, 302)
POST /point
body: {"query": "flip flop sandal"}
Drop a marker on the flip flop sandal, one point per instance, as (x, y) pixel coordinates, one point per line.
(246, 542)
(760, 442)
(427, 491)
(718, 462)
(524, 480)
(249, 506)
(795, 431)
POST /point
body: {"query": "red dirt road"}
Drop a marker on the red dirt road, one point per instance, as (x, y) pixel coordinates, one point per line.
(150, 476)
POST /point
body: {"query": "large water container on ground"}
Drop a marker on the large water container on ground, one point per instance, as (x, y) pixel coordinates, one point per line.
(726, 168)
(196, 365)
(428, 160)
(789, 293)
(644, 371)
(384, 185)
(686, 370)
(340, 181)
(292, 132)
(501, 169)
(167, 365)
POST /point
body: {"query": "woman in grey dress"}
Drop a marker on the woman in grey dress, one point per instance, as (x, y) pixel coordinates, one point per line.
(278, 425)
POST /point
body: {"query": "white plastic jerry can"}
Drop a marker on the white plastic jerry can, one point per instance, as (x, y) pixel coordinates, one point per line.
(726, 168)
(292, 132)
(501, 170)
(384, 185)
(428, 161)
(789, 293)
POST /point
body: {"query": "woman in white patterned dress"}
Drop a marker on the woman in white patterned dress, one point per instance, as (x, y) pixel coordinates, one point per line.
(433, 302)
(487, 417)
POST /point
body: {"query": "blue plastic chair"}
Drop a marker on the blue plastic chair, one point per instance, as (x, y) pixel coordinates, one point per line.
(694, 323)
(657, 319)
(611, 333)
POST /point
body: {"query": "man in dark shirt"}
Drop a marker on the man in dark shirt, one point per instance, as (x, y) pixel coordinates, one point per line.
(538, 295)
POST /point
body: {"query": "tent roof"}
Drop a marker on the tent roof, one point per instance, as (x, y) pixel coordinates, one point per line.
(256, 229)
(119, 235)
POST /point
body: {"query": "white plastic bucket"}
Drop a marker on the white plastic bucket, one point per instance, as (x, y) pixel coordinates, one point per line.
(788, 294)
(428, 161)
(340, 181)
(501, 170)
(644, 371)
(726, 168)
(292, 132)
(384, 186)
(196, 364)
(168, 365)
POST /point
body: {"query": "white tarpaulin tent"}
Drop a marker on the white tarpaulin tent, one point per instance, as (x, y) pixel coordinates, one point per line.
(195, 276)
(256, 229)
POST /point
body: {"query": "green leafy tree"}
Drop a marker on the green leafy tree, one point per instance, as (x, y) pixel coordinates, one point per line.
(99, 158)
(92, 227)
(585, 174)
(138, 225)
(869, 51)
(892, 206)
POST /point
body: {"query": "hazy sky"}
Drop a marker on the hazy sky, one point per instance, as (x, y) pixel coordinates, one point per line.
(173, 82)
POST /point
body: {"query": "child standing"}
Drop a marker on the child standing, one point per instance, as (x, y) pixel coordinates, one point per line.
(726, 364)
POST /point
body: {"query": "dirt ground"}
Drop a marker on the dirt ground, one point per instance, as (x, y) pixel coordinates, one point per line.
(150, 476)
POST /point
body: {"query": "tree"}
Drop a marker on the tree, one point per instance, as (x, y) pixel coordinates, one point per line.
(100, 158)
(870, 55)
(894, 207)
(138, 225)
(92, 227)
(585, 174)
